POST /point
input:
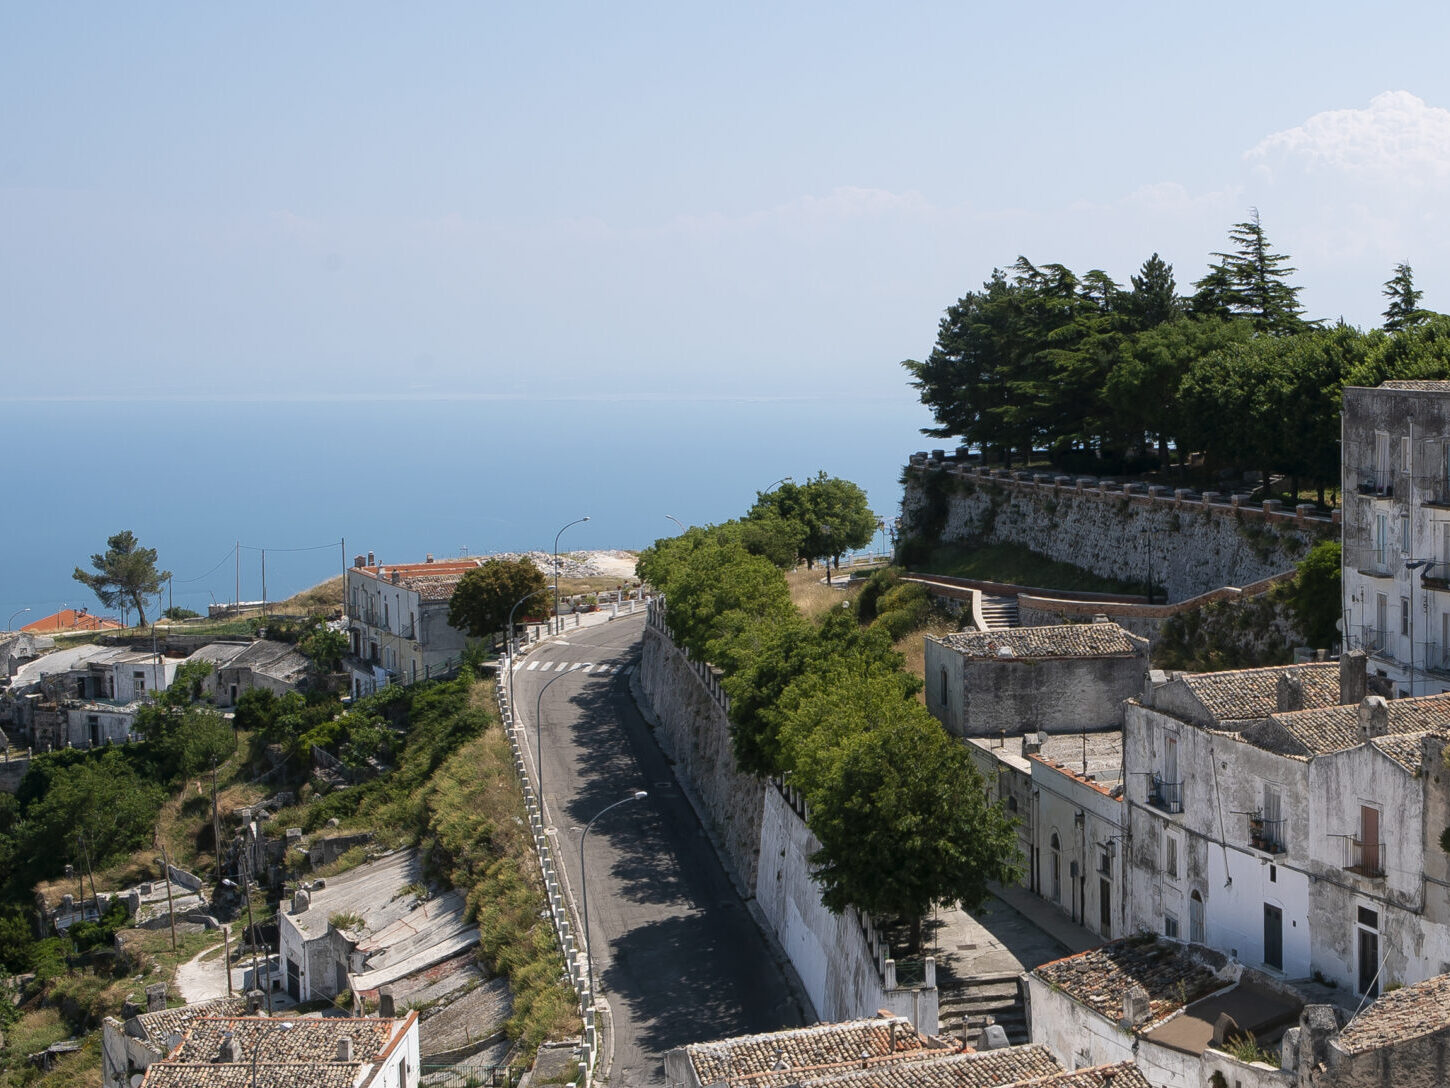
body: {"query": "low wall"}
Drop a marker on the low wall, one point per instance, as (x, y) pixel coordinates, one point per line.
(1192, 542)
(846, 969)
(695, 733)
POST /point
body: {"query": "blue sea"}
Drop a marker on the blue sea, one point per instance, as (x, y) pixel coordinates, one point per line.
(195, 479)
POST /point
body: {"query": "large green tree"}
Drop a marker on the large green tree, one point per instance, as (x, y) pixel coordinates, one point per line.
(484, 597)
(1403, 311)
(103, 798)
(125, 574)
(1252, 281)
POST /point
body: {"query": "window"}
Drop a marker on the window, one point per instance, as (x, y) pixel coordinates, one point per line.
(1381, 541)
(138, 680)
(1056, 870)
(1404, 615)
(1195, 919)
(944, 699)
(1405, 453)
(1405, 533)
(1170, 925)
(1170, 858)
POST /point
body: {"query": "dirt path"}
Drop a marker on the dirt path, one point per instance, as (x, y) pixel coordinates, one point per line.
(204, 976)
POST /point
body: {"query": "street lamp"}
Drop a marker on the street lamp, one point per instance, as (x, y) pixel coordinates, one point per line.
(772, 487)
(638, 795)
(558, 624)
(826, 532)
(247, 895)
(10, 623)
(285, 1025)
(677, 521)
(539, 732)
(508, 635)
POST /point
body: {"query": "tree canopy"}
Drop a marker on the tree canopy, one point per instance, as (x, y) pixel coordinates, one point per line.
(825, 517)
(125, 574)
(484, 597)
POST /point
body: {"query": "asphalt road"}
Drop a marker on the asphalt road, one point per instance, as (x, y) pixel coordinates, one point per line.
(676, 954)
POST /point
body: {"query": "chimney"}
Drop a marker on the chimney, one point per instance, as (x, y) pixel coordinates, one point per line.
(1137, 1006)
(359, 560)
(255, 1000)
(156, 997)
(301, 900)
(395, 576)
(229, 1051)
(386, 1008)
(1289, 692)
(1374, 717)
(429, 559)
(344, 1049)
(371, 561)
(1353, 677)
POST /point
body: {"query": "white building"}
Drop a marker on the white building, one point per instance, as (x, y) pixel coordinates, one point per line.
(1297, 836)
(397, 621)
(1396, 526)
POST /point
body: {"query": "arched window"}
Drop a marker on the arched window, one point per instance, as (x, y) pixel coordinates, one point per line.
(1056, 870)
(1195, 919)
(945, 699)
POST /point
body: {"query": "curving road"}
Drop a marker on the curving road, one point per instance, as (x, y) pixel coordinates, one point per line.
(676, 955)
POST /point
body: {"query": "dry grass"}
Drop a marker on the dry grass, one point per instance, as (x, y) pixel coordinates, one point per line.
(323, 597)
(912, 646)
(810, 594)
(595, 584)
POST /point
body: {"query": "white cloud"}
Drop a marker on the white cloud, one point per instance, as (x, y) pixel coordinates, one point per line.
(1397, 137)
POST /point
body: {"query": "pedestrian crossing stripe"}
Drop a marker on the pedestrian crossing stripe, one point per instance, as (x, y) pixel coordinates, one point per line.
(602, 668)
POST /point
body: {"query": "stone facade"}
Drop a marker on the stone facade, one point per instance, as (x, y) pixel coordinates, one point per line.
(1193, 542)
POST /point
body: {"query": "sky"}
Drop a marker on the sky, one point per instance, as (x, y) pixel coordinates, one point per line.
(385, 201)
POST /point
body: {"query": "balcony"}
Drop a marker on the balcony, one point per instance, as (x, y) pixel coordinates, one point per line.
(1365, 858)
(1432, 657)
(1266, 835)
(1167, 796)
(1434, 490)
(1371, 561)
(1379, 482)
(1372, 640)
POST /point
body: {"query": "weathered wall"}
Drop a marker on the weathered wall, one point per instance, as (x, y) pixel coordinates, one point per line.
(1193, 543)
(1406, 1063)
(834, 955)
(695, 733)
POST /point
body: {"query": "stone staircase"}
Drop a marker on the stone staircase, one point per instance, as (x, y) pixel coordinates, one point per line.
(999, 611)
(967, 1006)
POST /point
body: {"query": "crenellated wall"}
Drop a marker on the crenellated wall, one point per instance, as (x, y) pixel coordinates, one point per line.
(1193, 542)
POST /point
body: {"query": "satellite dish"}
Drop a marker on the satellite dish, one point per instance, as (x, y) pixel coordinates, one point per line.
(1339, 625)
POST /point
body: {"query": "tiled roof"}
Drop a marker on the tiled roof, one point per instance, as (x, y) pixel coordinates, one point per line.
(1249, 694)
(1119, 1075)
(68, 619)
(164, 1022)
(1100, 977)
(811, 1047)
(1403, 1014)
(308, 1040)
(431, 581)
(1336, 728)
(1417, 386)
(239, 1075)
(1058, 640)
(435, 588)
(927, 1069)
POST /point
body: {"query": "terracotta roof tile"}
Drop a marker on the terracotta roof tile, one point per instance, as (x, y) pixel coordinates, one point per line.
(1100, 977)
(164, 1022)
(1058, 640)
(239, 1075)
(308, 1040)
(1119, 1075)
(1250, 694)
(1409, 385)
(817, 1046)
(1400, 1015)
(1336, 728)
(931, 1069)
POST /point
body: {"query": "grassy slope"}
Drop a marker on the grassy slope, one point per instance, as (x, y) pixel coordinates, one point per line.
(1019, 566)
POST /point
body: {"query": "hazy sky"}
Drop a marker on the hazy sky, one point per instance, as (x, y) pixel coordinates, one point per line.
(622, 199)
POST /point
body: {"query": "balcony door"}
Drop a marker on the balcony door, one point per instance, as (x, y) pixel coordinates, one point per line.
(1273, 937)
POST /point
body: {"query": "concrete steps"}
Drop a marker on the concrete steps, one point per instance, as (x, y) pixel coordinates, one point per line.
(967, 1006)
(999, 611)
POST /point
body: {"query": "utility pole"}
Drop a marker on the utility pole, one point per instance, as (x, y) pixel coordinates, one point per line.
(216, 824)
(170, 906)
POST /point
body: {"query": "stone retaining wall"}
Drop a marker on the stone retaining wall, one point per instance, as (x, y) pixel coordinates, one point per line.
(1193, 542)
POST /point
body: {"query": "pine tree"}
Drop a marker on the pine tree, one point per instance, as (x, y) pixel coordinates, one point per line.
(1154, 298)
(1257, 281)
(1404, 310)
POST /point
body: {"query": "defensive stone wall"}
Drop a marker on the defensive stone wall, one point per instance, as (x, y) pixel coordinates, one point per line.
(1192, 542)
(695, 732)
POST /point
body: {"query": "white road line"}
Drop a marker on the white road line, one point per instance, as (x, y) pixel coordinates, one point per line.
(583, 665)
(532, 666)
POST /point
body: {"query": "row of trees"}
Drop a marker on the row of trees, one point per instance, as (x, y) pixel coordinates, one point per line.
(1041, 358)
(896, 804)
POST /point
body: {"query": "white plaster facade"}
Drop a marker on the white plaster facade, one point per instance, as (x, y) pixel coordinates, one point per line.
(397, 621)
(1396, 531)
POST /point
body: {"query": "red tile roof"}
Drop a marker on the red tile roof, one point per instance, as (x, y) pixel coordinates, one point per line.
(69, 619)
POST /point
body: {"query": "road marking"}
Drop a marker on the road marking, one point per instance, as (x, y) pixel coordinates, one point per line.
(583, 665)
(532, 666)
(545, 666)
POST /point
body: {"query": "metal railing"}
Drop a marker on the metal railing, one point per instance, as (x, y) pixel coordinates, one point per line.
(1165, 795)
(1377, 562)
(1370, 480)
(1433, 657)
(1364, 858)
(1371, 640)
(1266, 835)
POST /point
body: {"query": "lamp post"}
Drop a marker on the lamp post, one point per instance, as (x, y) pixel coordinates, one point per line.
(10, 623)
(826, 532)
(539, 732)
(285, 1025)
(558, 623)
(638, 795)
(1423, 566)
(772, 487)
(508, 635)
(677, 521)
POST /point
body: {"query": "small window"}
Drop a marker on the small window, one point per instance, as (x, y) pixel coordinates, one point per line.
(1405, 453)
(1170, 857)
(1011, 803)
(1170, 926)
(944, 699)
(1369, 918)
(1404, 615)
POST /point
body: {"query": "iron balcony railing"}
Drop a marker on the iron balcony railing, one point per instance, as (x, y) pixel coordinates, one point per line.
(1365, 858)
(1370, 480)
(1376, 562)
(1266, 835)
(1372, 640)
(1432, 657)
(1165, 795)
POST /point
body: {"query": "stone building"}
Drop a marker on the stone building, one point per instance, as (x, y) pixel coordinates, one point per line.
(1300, 835)
(1396, 531)
(397, 620)
(1056, 679)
